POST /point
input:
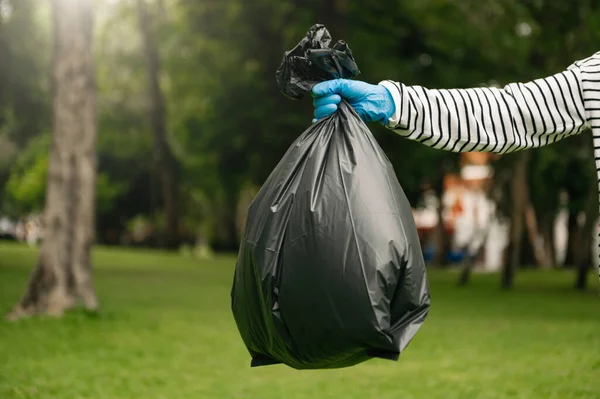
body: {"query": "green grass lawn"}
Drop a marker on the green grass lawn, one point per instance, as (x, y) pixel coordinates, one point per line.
(166, 331)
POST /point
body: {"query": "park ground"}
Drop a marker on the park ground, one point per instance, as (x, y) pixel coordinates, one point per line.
(166, 332)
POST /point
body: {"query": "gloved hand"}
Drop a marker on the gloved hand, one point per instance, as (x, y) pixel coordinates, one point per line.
(373, 103)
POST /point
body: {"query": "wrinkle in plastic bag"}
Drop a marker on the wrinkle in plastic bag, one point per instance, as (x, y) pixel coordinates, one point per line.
(330, 271)
(313, 61)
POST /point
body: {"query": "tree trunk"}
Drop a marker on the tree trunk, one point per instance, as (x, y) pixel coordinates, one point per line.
(582, 272)
(582, 254)
(533, 234)
(573, 236)
(583, 257)
(441, 239)
(63, 272)
(519, 202)
(164, 160)
(548, 234)
(467, 269)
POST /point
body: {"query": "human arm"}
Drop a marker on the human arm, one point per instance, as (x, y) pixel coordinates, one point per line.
(518, 116)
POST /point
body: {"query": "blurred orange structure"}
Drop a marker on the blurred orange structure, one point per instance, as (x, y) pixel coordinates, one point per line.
(475, 177)
(467, 211)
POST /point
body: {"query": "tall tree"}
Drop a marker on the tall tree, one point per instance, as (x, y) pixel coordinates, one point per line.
(583, 259)
(164, 159)
(519, 193)
(63, 273)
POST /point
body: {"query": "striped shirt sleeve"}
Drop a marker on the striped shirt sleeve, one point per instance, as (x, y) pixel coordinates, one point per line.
(500, 120)
(589, 72)
(516, 117)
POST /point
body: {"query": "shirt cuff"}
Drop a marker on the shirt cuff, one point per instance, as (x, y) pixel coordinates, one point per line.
(397, 91)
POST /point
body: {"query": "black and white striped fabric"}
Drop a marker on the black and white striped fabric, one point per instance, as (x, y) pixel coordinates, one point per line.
(516, 117)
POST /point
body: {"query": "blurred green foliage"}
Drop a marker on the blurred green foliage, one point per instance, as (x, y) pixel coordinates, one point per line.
(228, 124)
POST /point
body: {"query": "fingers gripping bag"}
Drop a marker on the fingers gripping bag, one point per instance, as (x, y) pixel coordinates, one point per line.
(330, 271)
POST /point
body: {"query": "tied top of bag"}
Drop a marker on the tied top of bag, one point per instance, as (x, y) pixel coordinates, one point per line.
(313, 61)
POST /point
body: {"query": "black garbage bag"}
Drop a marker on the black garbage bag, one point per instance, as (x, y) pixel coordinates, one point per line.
(330, 271)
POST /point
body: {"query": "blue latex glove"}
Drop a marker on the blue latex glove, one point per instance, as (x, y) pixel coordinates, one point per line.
(373, 103)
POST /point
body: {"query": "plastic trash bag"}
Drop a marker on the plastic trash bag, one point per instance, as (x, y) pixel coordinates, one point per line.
(330, 271)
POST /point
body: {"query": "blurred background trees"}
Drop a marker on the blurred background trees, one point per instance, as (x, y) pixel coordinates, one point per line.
(190, 121)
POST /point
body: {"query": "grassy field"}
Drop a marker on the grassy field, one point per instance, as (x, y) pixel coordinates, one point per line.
(166, 331)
